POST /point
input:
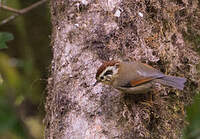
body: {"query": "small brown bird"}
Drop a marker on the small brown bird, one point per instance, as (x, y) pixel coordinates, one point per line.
(135, 77)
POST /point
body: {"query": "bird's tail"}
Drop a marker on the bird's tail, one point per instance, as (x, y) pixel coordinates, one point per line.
(176, 82)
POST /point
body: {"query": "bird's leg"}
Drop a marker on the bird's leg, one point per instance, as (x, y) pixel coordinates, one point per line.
(149, 99)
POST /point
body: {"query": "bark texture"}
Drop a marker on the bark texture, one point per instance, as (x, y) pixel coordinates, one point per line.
(87, 32)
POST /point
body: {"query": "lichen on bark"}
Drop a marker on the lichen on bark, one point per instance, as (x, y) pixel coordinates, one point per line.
(86, 33)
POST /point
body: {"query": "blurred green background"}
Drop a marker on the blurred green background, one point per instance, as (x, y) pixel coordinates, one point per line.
(24, 69)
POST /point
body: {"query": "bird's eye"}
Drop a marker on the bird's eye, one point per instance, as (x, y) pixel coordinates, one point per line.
(101, 77)
(108, 72)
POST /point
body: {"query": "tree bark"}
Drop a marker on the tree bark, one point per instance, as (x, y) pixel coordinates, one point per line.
(84, 34)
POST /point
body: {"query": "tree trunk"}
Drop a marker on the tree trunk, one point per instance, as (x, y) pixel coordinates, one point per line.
(84, 34)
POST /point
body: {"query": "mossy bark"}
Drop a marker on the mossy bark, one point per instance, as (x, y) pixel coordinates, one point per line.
(85, 33)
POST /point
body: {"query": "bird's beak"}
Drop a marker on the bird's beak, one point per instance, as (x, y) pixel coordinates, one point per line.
(96, 83)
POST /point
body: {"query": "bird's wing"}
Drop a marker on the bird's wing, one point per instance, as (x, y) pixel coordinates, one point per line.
(141, 81)
(138, 82)
(145, 74)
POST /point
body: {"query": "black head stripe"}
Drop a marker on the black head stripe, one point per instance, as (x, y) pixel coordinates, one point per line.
(108, 72)
(104, 66)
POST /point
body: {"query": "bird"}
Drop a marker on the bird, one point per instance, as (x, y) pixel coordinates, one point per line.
(135, 77)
